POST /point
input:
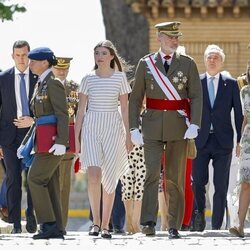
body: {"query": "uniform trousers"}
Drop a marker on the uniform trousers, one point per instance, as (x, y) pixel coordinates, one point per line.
(176, 154)
(65, 183)
(43, 180)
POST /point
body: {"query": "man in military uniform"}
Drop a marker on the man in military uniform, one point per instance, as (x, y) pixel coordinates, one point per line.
(61, 70)
(170, 81)
(49, 100)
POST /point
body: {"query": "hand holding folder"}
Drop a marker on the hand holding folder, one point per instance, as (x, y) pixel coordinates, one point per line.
(46, 131)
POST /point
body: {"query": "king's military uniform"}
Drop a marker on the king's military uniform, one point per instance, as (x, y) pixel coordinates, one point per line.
(163, 125)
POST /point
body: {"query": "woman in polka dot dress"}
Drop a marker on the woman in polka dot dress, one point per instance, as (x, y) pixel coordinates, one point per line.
(132, 189)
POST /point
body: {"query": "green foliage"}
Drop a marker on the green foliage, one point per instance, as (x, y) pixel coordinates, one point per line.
(7, 11)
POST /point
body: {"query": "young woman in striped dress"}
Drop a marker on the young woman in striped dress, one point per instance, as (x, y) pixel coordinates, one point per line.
(102, 134)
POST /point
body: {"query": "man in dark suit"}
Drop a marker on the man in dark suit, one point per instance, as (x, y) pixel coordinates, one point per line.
(15, 120)
(215, 139)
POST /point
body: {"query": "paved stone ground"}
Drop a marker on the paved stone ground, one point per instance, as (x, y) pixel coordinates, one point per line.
(208, 239)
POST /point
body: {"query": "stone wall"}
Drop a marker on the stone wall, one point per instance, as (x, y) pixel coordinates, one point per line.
(232, 35)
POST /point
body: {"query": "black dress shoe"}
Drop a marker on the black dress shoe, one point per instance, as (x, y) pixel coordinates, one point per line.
(185, 228)
(49, 231)
(16, 230)
(31, 224)
(149, 230)
(199, 221)
(173, 234)
(119, 231)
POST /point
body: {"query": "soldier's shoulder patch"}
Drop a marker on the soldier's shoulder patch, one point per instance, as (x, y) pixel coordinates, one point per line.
(243, 74)
(242, 77)
(186, 56)
(148, 55)
(72, 85)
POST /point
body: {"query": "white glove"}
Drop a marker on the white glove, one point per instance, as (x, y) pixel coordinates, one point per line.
(191, 132)
(19, 151)
(58, 149)
(136, 137)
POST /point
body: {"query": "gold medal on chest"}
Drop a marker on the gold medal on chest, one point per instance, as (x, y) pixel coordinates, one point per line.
(71, 111)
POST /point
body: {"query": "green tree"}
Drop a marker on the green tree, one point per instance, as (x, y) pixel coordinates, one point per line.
(8, 10)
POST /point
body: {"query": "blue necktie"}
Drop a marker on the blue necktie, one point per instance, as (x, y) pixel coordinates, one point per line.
(23, 95)
(211, 95)
(211, 90)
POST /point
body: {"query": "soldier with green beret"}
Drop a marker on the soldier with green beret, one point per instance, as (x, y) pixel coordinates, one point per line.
(171, 84)
(61, 70)
(43, 178)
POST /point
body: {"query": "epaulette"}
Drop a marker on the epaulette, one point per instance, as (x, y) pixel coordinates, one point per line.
(188, 56)
(148, 55)
(73, 85)
(243, 74)
(242, 80)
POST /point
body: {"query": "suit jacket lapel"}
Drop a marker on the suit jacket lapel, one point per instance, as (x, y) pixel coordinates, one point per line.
(205, 90)
(32, 82)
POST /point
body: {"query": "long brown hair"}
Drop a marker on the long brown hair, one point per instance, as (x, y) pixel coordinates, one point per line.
(118, 61)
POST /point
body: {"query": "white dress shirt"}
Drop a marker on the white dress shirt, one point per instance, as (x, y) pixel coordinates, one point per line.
(17, 89)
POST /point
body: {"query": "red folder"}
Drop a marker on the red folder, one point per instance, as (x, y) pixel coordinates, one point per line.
(46, 134)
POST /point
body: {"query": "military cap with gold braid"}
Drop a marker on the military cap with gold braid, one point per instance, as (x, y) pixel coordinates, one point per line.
(169, 28)
(63, 62)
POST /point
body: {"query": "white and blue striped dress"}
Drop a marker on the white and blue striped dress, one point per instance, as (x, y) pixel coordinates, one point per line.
(103, 134)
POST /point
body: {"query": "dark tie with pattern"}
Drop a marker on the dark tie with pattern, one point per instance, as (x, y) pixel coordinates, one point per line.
(23, 95)
(166, 66)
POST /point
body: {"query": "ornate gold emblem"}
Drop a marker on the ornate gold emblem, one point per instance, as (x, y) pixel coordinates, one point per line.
(184, 79)
(180, 80)
(71, 111)
(179, 73)
(60, 61)
(180, 86)
(175, 27)
(175, 79)
(72, 101)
